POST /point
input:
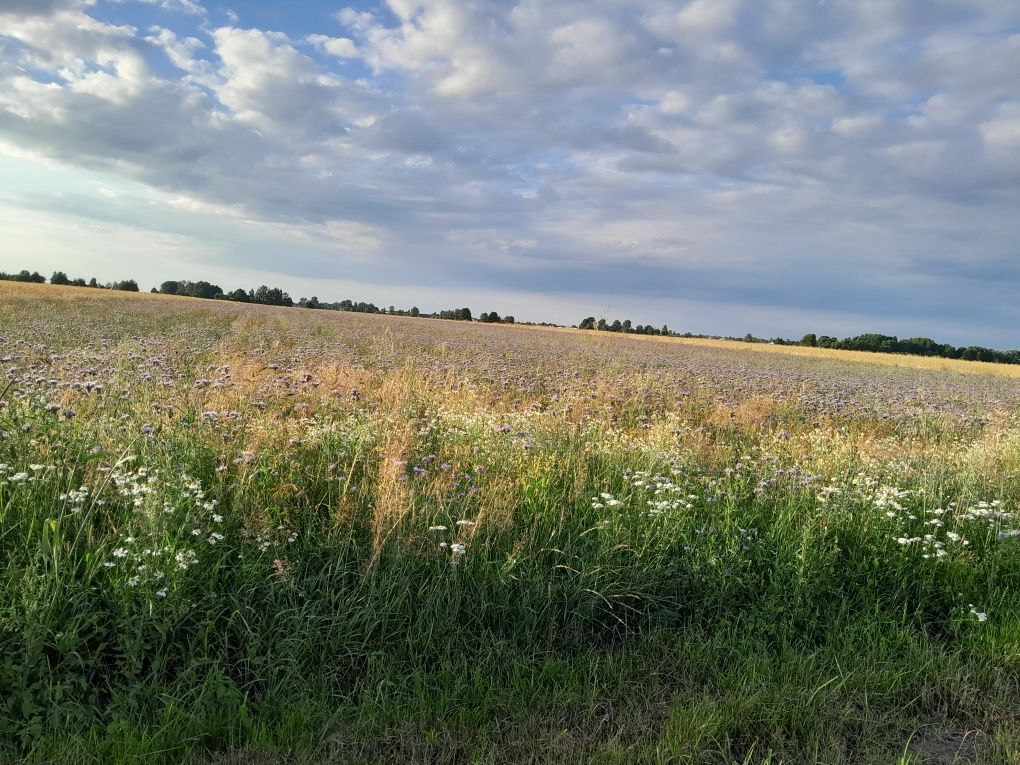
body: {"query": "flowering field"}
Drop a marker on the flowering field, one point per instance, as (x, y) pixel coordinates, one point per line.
(240, 534)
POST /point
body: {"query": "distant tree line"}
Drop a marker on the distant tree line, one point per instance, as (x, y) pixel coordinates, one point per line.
(263, 295)
(456, 314)
(360, 307)
(23, 276)
(494, 318)
(625, 327)
(60, 278)
(913, 346)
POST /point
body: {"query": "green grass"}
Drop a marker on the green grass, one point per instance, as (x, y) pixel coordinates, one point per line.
(764, 613)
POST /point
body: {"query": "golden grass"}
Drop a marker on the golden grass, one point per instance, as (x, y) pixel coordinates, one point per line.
(18, 292)
(864, 357)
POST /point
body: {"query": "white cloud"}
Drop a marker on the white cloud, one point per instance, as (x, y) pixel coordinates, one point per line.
(856, 125)
(341, 47)
(181, 51)
(189, 7)
(1002, 131)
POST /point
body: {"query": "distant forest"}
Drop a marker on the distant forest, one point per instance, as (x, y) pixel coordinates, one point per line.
(264, 295)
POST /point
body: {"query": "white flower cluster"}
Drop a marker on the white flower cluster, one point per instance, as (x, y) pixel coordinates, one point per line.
(76, 498)
(989, 512)
(457, 549)
(8, 476)
(666, 496)
(605, 499)
(136, 485)
(938, 542)
(890, 499)
(827, 493)
(149, 566)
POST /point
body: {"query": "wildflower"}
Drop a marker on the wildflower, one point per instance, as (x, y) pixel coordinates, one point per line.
(981, 616)
(457, 549)
(217, 519)
(465, 523)
(437, 528)
(120, 552)
(161, 593)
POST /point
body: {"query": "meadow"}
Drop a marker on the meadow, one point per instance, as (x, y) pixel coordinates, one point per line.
(250, 535)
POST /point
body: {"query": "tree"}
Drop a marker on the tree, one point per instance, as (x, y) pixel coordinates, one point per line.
(128, 285)
(414, 311)
(272, 296)
(170, 288)
(508, 320)
(587, 323)
(810, 340)
(25, 276)
(93, 283)
(205, 290)
(59, 277)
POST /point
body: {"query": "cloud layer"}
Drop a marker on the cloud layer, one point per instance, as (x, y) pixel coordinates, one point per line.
(829, 165)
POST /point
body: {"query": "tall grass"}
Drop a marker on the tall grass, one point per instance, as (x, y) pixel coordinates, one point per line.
(337, 563)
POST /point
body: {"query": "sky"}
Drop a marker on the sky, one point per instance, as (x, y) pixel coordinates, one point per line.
(721, 166)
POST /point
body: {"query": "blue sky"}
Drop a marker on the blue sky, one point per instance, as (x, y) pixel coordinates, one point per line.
(775, 166)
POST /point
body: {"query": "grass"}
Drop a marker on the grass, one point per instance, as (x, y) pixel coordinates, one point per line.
(657, 566)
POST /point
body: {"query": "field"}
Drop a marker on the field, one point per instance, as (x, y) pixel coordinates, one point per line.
(245, 535)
